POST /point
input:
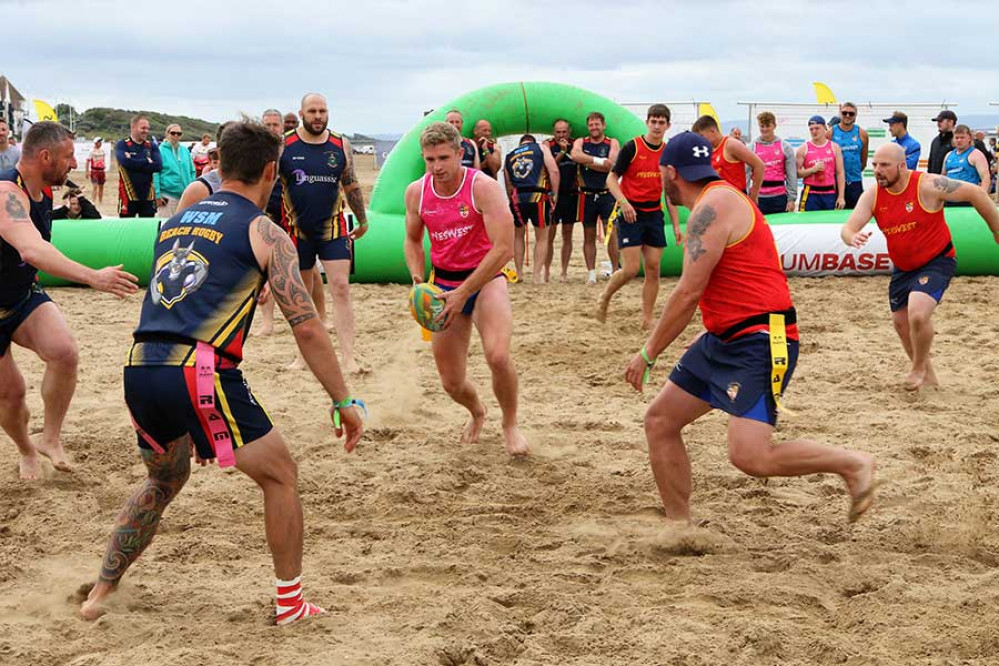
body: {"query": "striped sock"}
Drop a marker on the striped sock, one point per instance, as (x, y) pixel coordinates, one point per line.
(291, 606)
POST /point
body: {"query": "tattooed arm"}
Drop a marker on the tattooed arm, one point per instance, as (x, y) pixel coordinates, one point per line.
(17, 229)
(935, 190)
(352, 190)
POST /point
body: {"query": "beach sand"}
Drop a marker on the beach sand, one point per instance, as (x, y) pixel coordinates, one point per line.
(426, 551)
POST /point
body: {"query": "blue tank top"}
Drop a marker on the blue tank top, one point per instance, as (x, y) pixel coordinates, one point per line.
(310, 178)
(525, 167)
(17, 277)
(274, 203)
(957, 167)
(850, 144)
(204, 284)
(589, 179)
(468, 152)
(566, 169)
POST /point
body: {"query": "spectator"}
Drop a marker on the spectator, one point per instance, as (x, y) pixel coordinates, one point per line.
(966, 163)
(980, 145)
(178, 171)
(138, 159)
(75, 207)
(898, 126)
(96, 166)
(852, 141)
(730, 159)
(199, 154)
(943, 142)
(290, 122)
(9, 152)
(736, 133)
(779, 191)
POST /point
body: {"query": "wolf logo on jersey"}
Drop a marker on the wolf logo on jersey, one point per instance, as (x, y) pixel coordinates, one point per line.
(179, 272)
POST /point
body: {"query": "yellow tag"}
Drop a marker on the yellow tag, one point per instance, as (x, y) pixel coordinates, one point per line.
(610, 224)
(778, 359)
(511, 274)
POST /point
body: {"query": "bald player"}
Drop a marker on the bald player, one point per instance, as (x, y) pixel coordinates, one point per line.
(730, 157)
(469, 149)
(28, 317)
(317, 177)
(908, 208)
(742, 363)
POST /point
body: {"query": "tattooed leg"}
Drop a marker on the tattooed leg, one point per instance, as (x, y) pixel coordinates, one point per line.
(138, 520)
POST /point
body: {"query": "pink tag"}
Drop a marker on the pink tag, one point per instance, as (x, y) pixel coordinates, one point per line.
(144, 435)
(204, 361)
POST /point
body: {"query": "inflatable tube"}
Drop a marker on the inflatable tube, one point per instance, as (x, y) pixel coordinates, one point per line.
(107, 242)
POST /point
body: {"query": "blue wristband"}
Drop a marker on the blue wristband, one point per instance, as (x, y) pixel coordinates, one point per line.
(344, 404)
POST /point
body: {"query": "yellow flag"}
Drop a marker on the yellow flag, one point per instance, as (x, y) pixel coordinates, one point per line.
(822, 93)
(705, 109)
(45, 112)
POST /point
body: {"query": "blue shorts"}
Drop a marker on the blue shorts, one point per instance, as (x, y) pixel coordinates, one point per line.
(811, 200)
(538, 213)
(852, 194)
(733, 376)
(162, 401)
(470, 303)
(11, 318)
(933, 279)
(594, 205)
(772, 205)
(337, 249)
(647, 229)
(566, 209)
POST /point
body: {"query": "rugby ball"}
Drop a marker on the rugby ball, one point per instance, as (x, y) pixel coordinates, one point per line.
(425, 306)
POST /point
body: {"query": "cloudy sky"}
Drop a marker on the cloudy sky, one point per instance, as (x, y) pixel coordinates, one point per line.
(383, 62)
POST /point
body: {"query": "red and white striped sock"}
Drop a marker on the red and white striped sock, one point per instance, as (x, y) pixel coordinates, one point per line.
(291, 606)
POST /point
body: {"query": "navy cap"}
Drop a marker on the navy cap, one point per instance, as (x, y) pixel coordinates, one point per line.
(895, 119)
(690, 154)
(946, 114)
(817, 120)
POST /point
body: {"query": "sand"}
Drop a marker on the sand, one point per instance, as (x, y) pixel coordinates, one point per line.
(425, 551)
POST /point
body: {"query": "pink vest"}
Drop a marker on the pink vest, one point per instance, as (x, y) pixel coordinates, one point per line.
(773, 159)
(824, 153)
(458, 239)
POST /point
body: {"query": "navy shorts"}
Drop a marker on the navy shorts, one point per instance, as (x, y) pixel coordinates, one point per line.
(647, 229)
(733, 376)
(771, 205)
(162, 400)
(136, 208)
(595, 205)
(470, 303)
(538, 213)
(11, 318)
(932, 279)
(566, 209)
(337, 249)
(816, 200)
(852, 194)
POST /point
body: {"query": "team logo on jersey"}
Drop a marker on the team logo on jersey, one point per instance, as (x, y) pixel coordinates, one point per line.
(331, 160)
(178, 272)
(701, 151)
(522, 166)
(733, 390)
(908, 206)
(463, 210)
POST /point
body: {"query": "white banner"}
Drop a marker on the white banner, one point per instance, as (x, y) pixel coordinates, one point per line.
(816, 249)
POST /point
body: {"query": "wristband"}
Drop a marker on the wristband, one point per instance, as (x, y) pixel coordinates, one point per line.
(344, 404)
(649, 364)
(599, 161)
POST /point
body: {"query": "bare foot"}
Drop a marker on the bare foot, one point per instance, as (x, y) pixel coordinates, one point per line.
(861, 485)
(931, 376)
(30, 468)
(267, 328)
(563, 278)
(55, 453)
(470, 435)
(914, 380)
(297, 364)
(93, 607)
(602, 306)
(353, 367)
(516, 444)
(330, 326)
(647, 324)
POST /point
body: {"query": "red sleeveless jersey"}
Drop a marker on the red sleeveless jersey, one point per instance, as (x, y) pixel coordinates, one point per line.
(748, 280)
(732, 172)
(642, 182)
(914, 234)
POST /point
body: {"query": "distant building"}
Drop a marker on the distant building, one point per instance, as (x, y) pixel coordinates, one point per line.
(361, 143)
(12, 105)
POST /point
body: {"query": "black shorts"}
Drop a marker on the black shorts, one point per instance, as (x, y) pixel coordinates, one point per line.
(538, 213)
(933, 279)
(593, 206)
(772, 205)
(337, 249)
(11, 318)
(734, 376)
(566, 209)
(162, 400)
(136, 208)
(649, 228)
(852, 194)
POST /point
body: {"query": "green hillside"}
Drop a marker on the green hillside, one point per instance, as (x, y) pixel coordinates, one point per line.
(112, 124)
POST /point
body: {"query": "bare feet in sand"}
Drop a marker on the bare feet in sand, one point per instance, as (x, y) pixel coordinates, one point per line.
(55, 453)
(93, 606)
(861, 486)
(917, 379)
(516, 444)
(330, 326)
(30, 468)
(297, 364)
(267, 328)
(602, 306)
(470, 435)
(647, 324)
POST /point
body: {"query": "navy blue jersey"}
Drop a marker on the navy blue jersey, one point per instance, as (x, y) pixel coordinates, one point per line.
(310, 180)
(204, 283)
(275, 204)
(589, 179)
(525, 169)
(137, 162)
(566, 168)
(468, 152)
(16, 277)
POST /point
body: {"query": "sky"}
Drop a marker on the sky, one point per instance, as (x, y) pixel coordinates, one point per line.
(382, 63)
